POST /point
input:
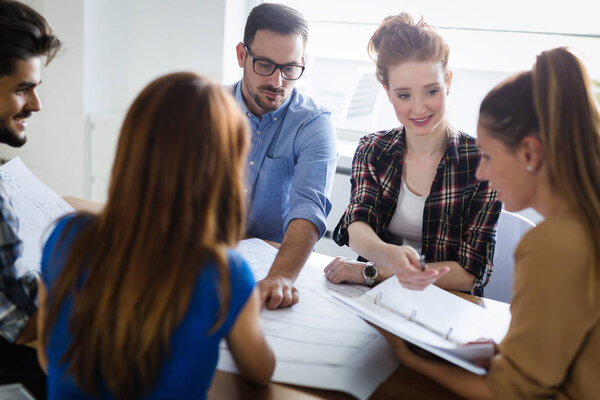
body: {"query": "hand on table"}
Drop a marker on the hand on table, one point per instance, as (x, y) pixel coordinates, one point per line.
(277, 292)
(405, 262)
(343, 269)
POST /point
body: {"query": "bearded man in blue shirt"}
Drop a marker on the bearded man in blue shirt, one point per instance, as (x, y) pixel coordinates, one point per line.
(293, 154)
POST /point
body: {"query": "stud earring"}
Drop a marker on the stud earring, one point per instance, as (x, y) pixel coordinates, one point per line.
(529, 168)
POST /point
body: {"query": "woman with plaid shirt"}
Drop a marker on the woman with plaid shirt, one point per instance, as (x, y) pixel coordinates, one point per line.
(414, 188)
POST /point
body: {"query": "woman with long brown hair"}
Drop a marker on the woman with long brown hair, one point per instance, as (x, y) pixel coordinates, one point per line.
(539, 137)
(135, 300)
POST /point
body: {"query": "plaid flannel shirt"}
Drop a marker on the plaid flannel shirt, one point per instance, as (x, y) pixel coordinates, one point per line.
(17, 294)
(460, 214)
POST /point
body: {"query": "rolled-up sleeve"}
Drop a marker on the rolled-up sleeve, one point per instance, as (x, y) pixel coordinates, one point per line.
(313, 172)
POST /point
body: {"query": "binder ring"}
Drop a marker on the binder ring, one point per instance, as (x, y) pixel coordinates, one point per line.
(448, 333)
(377, 298)
(413, 314)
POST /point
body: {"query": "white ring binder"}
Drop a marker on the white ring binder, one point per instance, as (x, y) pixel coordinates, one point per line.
(412, 317)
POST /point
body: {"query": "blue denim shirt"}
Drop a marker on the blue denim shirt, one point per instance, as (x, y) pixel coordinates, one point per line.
(291, 165)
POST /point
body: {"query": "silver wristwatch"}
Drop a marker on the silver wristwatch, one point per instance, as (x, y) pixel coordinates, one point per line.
(370, 273)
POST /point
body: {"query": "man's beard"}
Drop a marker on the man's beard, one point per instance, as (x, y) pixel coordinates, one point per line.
(10, 137)
(269, 105)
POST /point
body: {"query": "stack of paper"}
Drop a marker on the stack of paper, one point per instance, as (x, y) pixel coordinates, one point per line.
(36, 206)
(317, 342)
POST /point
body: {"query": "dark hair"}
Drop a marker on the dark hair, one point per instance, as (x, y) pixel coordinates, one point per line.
(24, 33)
(508, 110)
(399, 39)
(554, 102)
(175, 202)
(277, 18)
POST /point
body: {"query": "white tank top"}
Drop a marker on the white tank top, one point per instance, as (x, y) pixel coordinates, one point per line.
(407, 221)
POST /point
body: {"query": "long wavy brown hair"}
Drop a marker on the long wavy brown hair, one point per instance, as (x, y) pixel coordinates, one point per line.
(554, 102)
(175, 202)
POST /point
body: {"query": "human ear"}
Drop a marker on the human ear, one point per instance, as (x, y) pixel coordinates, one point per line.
(531, 149)
(448, 81)
(240, 50)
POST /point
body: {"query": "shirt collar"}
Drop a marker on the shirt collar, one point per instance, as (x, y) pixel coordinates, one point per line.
(452, 153)
(279, 113)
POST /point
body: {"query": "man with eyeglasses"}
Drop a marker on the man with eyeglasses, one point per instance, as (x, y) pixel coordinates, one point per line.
(293, 155)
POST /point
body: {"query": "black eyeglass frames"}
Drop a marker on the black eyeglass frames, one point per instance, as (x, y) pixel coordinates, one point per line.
(265, 67)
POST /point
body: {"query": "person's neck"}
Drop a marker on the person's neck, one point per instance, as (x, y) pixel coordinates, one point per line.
(433, 145)
(548, 200)
(550, 206)
(251, 104)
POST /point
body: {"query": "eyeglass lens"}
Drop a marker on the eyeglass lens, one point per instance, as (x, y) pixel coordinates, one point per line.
(266, 68)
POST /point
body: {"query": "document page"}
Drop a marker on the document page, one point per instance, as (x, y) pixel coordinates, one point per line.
(317, 342)
(433, 319)
(455, 318)
(36, 206)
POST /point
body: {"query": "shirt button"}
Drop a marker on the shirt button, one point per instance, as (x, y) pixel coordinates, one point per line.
(274, 118)
(247, 114)
(246, 190)
(251, 162)
(258, 132)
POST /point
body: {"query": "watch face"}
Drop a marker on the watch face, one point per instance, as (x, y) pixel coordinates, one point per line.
(370, 271)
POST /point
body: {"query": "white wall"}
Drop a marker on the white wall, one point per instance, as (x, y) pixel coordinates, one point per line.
(112, 49)
(236, 12)
(106, 58)
(169, 36)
